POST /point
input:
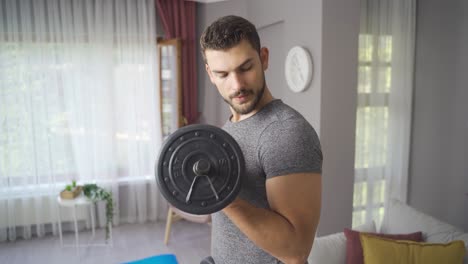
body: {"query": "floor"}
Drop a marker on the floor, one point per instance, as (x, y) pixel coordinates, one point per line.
(190, 242)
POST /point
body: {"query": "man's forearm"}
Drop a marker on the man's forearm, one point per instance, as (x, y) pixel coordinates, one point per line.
(270, 231)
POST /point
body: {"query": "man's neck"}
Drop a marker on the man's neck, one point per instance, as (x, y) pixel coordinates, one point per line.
(266, 98)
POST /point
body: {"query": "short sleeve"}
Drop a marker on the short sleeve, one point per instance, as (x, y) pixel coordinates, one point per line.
(289, 146)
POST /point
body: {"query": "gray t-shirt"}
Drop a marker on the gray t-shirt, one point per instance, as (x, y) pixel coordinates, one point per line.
(275, 141)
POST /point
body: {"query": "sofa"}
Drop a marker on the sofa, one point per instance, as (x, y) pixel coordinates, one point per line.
(399, 218)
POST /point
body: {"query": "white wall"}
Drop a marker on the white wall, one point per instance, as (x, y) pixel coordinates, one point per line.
(281, 26)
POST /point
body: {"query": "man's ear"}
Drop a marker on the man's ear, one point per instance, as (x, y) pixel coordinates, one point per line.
(264, 56)
(210, 74)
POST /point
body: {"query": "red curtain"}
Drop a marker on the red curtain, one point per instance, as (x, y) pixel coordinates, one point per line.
(178, 18)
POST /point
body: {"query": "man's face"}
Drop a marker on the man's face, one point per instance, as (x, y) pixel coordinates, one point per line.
(238, 73)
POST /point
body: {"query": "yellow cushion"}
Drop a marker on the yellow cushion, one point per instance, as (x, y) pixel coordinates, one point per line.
(385, 251)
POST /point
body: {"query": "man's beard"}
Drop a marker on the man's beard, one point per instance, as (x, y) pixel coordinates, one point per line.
(249, 106)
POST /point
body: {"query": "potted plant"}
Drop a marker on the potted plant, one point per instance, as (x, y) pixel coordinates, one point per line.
(96, 193)
(71, 191)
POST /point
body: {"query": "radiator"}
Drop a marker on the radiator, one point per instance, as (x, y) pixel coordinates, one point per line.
(43, 209)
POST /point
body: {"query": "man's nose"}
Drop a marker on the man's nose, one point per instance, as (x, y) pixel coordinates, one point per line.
(237, 82)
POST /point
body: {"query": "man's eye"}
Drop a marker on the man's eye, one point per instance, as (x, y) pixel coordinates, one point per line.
(244, 69)
(222, 75)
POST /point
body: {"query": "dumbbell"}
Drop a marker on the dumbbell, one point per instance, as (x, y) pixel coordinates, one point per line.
(199, 169)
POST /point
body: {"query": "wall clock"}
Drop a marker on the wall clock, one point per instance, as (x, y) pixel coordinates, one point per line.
(298, 69)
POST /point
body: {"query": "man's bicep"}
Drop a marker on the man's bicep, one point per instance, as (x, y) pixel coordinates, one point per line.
(289, 147)
(297, 197)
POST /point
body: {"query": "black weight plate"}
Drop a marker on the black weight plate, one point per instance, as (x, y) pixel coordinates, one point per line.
(197, 191)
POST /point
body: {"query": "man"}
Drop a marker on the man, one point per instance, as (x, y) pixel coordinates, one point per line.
(275, 216)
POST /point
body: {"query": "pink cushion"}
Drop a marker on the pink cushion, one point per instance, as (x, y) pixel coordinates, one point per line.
(354, 253)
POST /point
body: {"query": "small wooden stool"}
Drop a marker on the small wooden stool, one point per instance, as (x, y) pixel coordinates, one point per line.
(174, 214)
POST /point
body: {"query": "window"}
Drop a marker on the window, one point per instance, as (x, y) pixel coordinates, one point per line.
(30, 130)
(170, 85)
(374, 84)
(37, 108)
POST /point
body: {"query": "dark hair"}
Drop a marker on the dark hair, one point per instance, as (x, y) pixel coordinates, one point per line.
(228, 31)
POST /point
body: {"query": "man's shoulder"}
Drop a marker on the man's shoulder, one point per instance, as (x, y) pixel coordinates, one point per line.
(287, 124)
(288, 128)
(286, 117)
(276, 115)
(288, 145)
(285, 112)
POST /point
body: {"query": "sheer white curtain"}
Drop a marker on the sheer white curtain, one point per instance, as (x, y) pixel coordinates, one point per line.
(385, 88)
(78, 101)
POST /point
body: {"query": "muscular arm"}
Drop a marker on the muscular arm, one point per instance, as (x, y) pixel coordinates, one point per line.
(286, 231)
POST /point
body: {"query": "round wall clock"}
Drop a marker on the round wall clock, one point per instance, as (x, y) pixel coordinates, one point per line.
(298, 69)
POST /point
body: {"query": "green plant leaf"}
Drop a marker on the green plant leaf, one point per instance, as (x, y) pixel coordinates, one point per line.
(96, 193)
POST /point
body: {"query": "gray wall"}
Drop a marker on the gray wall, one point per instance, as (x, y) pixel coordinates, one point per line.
(338, 117)
(439, 149)
(459, 138)
(211, 105)
(281, 26)
(273, 18)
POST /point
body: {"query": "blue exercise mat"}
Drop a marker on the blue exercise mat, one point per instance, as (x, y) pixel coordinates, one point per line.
(160, 259)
